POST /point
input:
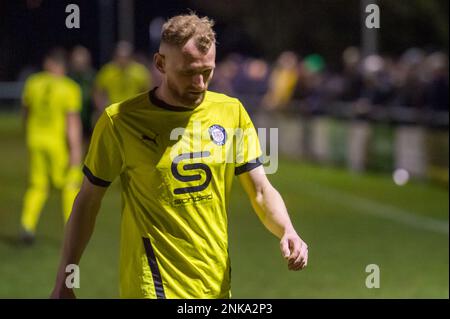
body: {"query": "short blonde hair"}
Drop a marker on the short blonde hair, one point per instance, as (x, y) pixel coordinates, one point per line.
(179, 29)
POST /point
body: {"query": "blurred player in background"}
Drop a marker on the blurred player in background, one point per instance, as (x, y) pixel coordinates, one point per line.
(121, 78)
(51, 103)
(282, 82)
(176, 191)
(82, 72)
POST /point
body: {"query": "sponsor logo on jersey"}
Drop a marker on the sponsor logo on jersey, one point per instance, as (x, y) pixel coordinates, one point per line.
(192, 199)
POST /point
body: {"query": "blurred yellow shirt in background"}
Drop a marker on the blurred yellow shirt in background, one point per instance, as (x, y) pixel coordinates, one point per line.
(123, 83)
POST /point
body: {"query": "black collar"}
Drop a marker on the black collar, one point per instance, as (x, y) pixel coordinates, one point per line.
(160, 103)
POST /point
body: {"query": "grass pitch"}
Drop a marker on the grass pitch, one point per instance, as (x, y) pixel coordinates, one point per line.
(348, 220)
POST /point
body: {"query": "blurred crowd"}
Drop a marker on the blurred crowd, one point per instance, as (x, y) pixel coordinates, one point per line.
(62, 103)
(415, 79)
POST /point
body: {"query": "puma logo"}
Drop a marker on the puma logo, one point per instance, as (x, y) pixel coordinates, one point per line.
(146, 138)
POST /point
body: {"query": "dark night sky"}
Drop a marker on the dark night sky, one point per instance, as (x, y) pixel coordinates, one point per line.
(26, 33)
(29, 28)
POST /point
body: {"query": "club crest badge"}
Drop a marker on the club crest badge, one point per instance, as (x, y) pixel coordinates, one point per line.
(218, 134)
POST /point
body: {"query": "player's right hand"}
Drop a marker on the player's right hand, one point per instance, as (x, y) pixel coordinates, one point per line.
(294, 250)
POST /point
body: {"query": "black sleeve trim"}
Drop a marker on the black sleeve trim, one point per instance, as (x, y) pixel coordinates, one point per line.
(93, 179)
(248, 166)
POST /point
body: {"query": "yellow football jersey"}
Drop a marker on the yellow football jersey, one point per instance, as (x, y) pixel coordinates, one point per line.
(48, 99)
(176, 168)
(120, 84)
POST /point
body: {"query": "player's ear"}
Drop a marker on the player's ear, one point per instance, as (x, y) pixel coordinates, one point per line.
(159, 61)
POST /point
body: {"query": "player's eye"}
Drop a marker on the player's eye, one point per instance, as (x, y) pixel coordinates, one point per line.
(186, 73)
(207, 73)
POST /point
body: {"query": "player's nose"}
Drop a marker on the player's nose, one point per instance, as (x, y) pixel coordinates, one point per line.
(198, 82)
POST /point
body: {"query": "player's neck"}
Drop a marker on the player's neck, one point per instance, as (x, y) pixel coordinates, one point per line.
(56, 72)
(164, 95)
(55, 75)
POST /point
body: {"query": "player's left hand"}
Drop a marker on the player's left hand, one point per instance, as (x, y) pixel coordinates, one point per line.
(294, 250)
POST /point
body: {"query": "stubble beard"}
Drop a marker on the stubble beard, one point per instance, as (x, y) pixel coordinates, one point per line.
(187, 99)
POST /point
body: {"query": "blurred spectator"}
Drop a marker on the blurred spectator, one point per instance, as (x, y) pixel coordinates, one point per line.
(253, 79)
(147, 60)
(409, 79)
(436, 91)
(310, 86)
(282, 82)
(225, 74)
(377, 85)
(121, 78)
(252, 83)
(82, 72)
(352, 79)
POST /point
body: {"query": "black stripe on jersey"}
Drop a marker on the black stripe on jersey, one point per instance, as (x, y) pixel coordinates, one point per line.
(248, 166)
(94, 179)
(160, 103)
(157, 280)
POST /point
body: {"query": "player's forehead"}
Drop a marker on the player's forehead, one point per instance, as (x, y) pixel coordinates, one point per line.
(194, 58)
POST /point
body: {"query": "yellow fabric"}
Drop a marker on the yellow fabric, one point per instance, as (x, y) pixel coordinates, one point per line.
(120, 84)
(71, 188)
(176, 203)
(46, 162)
(283, 82)
(48, 99)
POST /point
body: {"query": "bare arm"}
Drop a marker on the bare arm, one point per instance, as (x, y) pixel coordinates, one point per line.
(78, 231)
(271, 210)
(74, 137)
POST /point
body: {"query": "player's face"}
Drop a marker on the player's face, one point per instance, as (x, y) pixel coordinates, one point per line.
(54, 66)
(188, 72)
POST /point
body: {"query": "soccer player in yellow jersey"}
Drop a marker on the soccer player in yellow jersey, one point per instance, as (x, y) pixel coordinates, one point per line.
(52, 104)
(176, 149)
(121, 78)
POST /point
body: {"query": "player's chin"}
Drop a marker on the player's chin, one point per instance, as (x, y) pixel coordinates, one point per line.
(195, 98)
